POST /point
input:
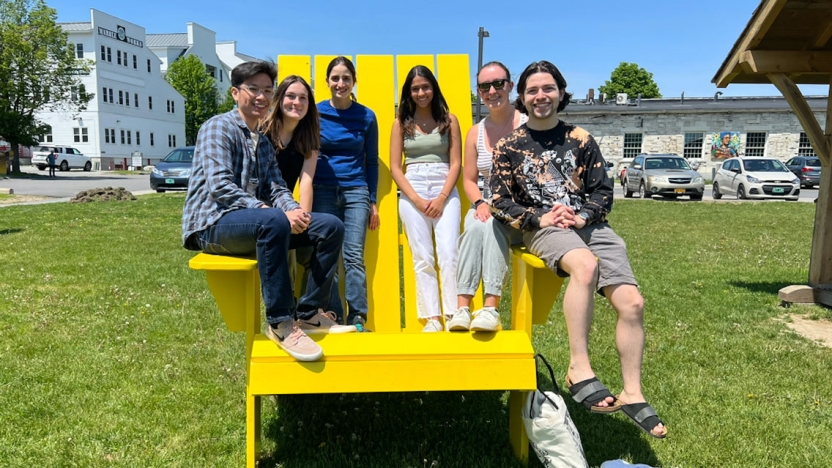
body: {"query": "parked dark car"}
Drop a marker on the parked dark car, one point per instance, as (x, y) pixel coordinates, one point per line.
(806, 168)
(173, 172)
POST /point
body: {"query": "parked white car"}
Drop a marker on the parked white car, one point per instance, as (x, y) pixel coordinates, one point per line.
(66, 158)
(747, 177)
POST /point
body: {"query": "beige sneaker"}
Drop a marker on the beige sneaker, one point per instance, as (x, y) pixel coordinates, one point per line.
(460, 321)
(486, 319)
(294, 341)
(432, 326)
(323, 322)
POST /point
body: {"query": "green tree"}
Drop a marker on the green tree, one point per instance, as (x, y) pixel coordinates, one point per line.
(227, 104)
(188, 76)
(38, 72)
(631, 79)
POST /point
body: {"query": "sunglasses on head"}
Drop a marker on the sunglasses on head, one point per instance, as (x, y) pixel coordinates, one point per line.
(498, 85)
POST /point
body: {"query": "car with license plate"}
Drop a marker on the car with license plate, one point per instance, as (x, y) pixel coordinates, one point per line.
(173, 172)
(806, 168)
(66, 158)
(755, 177)
(668, 175)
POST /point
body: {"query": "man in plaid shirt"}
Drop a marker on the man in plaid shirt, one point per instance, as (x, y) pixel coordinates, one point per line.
(238, 204)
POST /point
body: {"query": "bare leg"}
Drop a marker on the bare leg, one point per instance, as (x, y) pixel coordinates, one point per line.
(578, 310)
(629, 339)
(464, 300)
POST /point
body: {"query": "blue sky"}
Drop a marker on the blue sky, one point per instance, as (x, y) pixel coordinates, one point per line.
(682, 43)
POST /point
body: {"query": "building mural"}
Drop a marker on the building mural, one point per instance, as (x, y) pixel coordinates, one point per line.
(725, 145)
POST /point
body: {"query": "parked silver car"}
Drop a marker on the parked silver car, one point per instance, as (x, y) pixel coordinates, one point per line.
(668, 175)
(748, 177)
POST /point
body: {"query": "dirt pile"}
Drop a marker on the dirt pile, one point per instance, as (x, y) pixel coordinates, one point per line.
(103, 194)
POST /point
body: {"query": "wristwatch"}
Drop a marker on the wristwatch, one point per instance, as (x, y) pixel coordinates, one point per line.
(585, 216)
(478, 203)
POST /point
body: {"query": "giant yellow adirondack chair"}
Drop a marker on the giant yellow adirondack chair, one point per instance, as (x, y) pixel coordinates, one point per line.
(394, 358)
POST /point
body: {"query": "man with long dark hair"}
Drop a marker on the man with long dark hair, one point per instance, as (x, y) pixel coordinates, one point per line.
(549, 180)
(238, 204)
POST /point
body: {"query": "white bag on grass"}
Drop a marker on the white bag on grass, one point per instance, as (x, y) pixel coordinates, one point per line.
(551, 431)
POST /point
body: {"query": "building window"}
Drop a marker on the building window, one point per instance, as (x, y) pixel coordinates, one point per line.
(104, 93)
(107, 138)
(118, 55)
(103, 53)
(171, 109)
(129, 137)
(136, 99)
(109, 55)
(80, 135)
(120, 98)
(110, 91)
(148, 65)
(804, 146)
(138, 138)
(127, 98)
(220, 75)
(755, 144)
(135, 62)
(73, 93)
(122, 137)
(693, 145)
(151, 139)
(125, 58)
(172, 141)
(150, 102)
(46, 137)
(632, 144)
(79, 50)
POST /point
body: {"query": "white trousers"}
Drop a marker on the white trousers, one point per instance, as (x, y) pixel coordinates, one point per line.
(427, 181)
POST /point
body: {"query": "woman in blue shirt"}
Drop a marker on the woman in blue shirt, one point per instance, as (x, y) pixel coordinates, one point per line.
(346, 179)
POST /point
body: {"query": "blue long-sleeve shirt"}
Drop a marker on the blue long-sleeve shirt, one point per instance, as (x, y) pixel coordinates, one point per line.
(349, 148)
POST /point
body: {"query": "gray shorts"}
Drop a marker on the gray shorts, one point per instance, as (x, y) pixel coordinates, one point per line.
(552, 243)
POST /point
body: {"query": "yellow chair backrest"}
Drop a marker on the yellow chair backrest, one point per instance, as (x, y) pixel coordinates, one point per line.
(378, 84)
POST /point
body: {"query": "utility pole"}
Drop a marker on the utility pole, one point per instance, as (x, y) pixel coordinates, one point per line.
(482, 34)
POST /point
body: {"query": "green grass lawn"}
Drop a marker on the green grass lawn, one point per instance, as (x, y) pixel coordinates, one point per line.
(112, 353)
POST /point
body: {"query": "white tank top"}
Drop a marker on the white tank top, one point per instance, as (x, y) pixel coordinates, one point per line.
(485, 158)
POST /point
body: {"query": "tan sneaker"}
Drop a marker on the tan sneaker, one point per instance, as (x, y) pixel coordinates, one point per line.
(294, 341)
(323, 322)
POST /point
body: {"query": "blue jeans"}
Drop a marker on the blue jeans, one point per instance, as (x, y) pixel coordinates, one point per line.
(352, 206)
(266, 232)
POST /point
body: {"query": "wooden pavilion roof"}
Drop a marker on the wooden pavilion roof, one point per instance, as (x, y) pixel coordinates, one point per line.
(783, 36)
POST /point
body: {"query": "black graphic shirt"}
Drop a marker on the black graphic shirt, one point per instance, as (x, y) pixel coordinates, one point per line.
(535, 170)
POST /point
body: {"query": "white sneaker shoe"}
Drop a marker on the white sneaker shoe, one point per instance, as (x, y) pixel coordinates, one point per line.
(486, 319)
(432, 326)
(460, 321)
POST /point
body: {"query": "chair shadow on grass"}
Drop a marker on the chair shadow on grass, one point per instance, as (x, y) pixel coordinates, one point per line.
(770, 287)
(412, 429)
(418, 429)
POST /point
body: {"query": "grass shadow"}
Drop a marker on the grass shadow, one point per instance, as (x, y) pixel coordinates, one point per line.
(6, 232)
(770, 287)
(413, 429)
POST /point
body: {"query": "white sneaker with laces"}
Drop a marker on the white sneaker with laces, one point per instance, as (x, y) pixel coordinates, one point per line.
(432, 326)
(461, 320)
(486, 319)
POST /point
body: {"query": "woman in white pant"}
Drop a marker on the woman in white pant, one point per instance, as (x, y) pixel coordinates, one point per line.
(484, 244)
(428, 136)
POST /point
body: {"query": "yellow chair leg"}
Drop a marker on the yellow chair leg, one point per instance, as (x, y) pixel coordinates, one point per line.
(517, 432)
(252, 429)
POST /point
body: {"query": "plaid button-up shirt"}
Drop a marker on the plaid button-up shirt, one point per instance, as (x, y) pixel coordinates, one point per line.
(223, 167)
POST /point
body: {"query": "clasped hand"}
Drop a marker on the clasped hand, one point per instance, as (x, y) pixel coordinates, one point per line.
(563, 217)
(299, 220)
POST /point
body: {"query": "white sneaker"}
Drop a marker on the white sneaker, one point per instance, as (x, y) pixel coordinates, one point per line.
(432, 326)
(460, 321)
(486, 319)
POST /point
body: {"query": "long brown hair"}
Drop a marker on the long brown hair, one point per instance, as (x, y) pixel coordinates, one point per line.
(307, 135)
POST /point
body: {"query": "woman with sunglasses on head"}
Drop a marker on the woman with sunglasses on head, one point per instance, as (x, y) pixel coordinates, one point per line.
(346, 180)
(484, 244)
(428, 136)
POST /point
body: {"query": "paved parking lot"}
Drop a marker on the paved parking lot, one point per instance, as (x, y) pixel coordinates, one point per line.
(68, 184)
